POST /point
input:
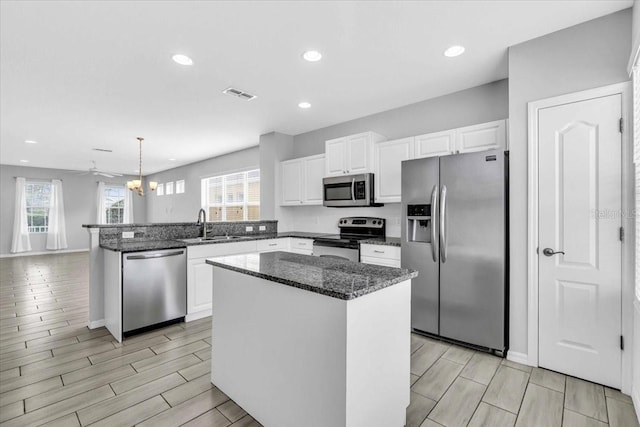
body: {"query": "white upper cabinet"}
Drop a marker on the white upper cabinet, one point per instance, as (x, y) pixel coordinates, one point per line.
(291, 177)
(388, 157)
(351, 154)
(301, 181)
(313, 170)
(435, 144)
(485, 136)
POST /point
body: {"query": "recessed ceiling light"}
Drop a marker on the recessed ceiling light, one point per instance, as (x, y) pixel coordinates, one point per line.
(312, 56)
(172, 160)
(182, 59)
(30, 141)
(304, 105)
(454, 51)
(24, 161)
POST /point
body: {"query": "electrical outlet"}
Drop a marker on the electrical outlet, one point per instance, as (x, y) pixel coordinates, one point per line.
(317, 220)
(396, 220)
(262, 227)
(249, 228)
(127, 234)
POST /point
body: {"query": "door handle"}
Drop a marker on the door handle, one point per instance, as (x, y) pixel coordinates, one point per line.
(434, 209)
(551, 252)
(443, 237)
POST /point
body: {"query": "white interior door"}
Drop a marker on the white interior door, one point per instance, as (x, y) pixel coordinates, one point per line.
(580, 214)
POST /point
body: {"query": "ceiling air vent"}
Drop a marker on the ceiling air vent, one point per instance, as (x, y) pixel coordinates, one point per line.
(240, 94)
(104, 150)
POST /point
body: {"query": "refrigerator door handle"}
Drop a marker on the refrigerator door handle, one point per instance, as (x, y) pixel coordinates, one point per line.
(443, 236)
(434, 209)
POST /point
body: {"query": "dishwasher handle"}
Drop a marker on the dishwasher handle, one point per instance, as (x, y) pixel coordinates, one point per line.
(151, 256)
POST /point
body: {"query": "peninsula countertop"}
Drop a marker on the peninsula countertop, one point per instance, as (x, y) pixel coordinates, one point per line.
(332, 277)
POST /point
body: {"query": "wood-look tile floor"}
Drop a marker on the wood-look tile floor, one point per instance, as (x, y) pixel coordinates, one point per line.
(55, 371)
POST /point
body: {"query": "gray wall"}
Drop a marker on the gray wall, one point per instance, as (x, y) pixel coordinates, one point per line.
(467, 107)
(184, 207)
(471, 106)
(585, 56)
(79, 204)
(274, 147)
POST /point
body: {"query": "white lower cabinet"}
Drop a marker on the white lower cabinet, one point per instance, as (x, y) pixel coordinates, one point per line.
(200, 274)
(301, 246)
(389, 256)
(271, 245)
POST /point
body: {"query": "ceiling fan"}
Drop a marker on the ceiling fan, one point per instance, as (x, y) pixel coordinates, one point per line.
(94, 171)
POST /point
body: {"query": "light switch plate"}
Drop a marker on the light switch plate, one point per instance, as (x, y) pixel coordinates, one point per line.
(249, 228)
(127, 234)
(262, 227)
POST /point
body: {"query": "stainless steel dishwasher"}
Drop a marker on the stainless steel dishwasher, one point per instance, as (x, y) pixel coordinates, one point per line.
(154, 287)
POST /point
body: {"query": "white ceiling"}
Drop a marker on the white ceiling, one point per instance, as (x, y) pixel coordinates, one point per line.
(78, 75)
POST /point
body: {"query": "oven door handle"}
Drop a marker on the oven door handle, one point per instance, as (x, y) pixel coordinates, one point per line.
(353, 190)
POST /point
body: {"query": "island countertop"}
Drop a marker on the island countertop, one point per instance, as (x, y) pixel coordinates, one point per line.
(340, 279)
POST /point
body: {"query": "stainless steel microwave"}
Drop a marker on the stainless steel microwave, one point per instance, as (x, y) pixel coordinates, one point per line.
(349, 191)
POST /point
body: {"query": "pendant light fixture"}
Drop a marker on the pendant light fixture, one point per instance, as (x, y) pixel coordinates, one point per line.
(136, 184)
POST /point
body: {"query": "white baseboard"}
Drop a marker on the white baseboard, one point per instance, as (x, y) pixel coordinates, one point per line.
(517, 357)
(635, 397)
(195, 316)
(96, 324)
(63, 251)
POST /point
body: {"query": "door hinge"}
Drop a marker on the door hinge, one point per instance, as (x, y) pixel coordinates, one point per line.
(622, 234)
(621, 342)
(621, 125)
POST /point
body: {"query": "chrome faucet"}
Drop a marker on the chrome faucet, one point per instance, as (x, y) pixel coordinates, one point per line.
(202, 218)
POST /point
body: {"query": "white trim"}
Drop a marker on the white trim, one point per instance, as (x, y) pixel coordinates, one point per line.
(627, 203)
(518, 357)
(198, 315)
(635, 397)
(63, 251)
(97, 324)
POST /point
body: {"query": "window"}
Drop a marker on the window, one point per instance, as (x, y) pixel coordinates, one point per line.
(233, 197)
(114, 204)
(38, 194)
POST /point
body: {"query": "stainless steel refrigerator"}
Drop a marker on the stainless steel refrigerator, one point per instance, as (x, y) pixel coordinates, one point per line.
(454, 232)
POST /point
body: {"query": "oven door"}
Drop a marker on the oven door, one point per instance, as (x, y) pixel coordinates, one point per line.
(346, 191)
(328, 250)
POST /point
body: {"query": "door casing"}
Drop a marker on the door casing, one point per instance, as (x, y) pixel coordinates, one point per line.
(627, 221)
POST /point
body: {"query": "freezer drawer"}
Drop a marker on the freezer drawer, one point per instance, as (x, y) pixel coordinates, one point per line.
(154, 287)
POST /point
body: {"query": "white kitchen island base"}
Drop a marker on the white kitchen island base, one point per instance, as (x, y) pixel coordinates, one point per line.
(295, 358)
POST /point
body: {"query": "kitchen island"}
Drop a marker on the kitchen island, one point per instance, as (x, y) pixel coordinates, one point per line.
(301, 340)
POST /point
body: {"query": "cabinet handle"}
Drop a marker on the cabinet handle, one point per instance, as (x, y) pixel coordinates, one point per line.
(302, 244)
(273, 244)
(378, 252)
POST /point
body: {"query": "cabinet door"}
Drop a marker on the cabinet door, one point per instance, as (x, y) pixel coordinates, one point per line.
(388, 157)
(485, 136)
(290, 183)
(336, 157)
(359, 153)
(313, 169)
(435, 144)
(199, 285)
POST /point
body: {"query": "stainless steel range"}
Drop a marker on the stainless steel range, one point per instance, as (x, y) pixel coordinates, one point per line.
(346, 244)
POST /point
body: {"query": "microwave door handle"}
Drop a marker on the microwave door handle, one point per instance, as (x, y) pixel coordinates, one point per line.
(353, 190)
(434, 209)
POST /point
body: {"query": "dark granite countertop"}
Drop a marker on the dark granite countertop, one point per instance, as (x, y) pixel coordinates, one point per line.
(387, 241)
(332, 277)
(145, 245)
(165, 224)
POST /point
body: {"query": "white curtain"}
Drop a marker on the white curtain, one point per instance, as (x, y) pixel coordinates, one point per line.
(57, 234)
(101, 217)
(128, 206)
(20, 242)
